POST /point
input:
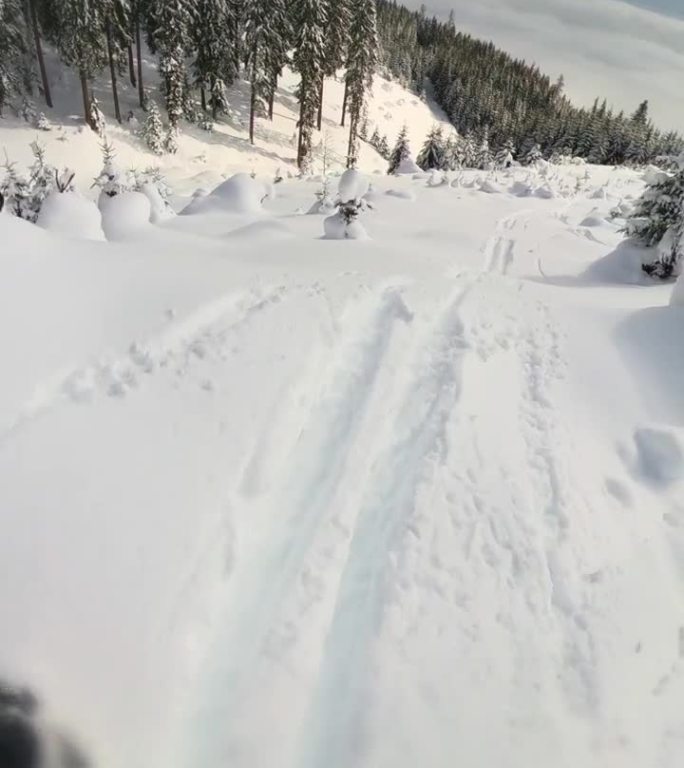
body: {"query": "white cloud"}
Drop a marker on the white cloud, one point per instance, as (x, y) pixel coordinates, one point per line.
(604, 48)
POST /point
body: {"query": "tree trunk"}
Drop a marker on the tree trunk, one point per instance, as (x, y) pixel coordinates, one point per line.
(351, 160)
(300, 154)
(138, 47)
(344, 101)
(271, 96)
(214, 107)
(131, 66)
(203, 99)
(112, 71)
(319, 122)
(39, 54)
(252, 110)
(85, 93)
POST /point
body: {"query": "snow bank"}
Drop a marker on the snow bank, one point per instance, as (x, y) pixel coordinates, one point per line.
(490, 187)
(239, 194)
(124, 214)
(521, 189)
(407, 166)
(402, 194)
(660, 457)
(336, 228)
(678, 292)
(71, 215)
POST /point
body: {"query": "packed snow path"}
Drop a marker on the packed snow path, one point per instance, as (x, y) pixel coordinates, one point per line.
(411, 501)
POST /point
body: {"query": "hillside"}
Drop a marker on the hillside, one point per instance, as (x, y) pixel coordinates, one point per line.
(203, 158)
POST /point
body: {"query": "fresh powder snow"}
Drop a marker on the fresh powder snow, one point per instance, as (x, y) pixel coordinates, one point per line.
(270, 498)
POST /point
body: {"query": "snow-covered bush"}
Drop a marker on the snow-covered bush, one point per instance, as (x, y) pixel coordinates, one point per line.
(657, 222)
(111, 180)
(70, 214)
(151, 183)
(344, 224)
(124, 214)
(24, 195)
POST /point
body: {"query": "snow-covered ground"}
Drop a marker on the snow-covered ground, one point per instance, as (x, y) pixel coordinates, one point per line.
(268, 499)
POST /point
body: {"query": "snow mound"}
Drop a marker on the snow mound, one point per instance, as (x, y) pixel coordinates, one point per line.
(71, 215)
(660, 458)
(124, 214)
(623, 265)
(594, 219)
(402, 194)
(490, 187)
(520, 189)
(353, 185)
(238, 194)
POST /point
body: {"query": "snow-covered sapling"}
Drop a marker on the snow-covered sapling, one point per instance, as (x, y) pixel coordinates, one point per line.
(344, 224)
(152, 131)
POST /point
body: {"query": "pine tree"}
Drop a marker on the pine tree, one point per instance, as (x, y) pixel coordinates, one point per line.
(310, 21)
(504, 156)
(33, 19)
(214, 66)
(152, 131)
(171, 35)
(401, 152)
(336, 43)
(658, 220)
(433, 154)
(12, 49)
(79, 36)
(266, 34)
(361, 63)
(117, 21)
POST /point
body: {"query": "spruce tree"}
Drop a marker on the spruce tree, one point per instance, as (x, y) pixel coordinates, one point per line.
(79, 37)
(309, 53)
(214, 66)
(361, 63)
(401, 152)
(658, 220)
(152, 131)
(336, 43)
(433, 154)
(171, 36)
(267, 32)
(33, 19)
(12, 49)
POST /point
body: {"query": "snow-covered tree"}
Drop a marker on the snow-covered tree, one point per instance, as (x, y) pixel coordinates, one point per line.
(338, 13)
(361, 62)
(111, 180)
(79, 36)
(504, 155)
(152, 130)
(309, 55)
(214, 67)
(433, 154)
(401, 152)
(24, 195)
(531, 155)
(12, 50)
(171, 35)
(658, 221)
(267, 32)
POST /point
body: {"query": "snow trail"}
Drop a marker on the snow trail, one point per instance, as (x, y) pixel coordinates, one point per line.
(415, 439)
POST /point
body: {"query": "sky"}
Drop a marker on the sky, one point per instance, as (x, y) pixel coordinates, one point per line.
(625, 52)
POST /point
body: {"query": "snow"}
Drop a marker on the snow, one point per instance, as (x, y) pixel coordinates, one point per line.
(124, 214)
(353, 185)
(71, 215)
(678, 292)
(272, 499)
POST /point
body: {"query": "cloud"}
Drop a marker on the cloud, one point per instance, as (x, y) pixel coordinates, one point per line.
(604, 48)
